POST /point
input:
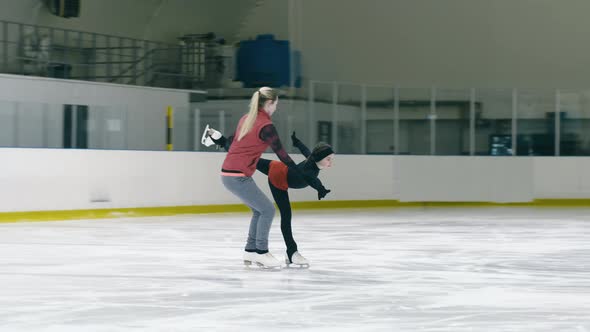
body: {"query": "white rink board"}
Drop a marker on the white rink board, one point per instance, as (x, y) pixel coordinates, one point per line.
(67, 179)
(467, 179)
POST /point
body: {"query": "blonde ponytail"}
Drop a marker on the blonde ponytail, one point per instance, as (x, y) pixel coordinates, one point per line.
(256, 102)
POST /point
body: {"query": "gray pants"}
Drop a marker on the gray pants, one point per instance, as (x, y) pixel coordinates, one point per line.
(263, 210)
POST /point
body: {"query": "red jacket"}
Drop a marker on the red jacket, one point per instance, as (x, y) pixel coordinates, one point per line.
(245, 153)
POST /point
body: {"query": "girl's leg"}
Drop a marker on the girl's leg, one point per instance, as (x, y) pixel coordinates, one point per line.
(263, 165)
(281, 197)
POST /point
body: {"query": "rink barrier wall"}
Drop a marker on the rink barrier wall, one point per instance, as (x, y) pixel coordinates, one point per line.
(60, 184)
(40, 216)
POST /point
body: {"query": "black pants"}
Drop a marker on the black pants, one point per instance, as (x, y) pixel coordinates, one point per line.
(281, 197)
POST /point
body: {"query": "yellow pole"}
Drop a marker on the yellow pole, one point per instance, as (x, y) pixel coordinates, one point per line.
(169, 126)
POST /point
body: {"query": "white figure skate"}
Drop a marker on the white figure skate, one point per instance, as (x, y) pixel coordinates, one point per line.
(297, 261)
(249, 258)
(209, 134)
(206, 139)
(266, 261)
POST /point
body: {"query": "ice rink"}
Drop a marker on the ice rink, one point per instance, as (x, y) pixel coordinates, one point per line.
(481, 269)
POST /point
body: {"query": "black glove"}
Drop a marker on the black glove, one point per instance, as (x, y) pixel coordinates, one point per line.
(294, 139)
(322, 193)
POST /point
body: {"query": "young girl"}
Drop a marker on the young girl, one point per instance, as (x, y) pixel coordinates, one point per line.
(255, 133)
(281, 178)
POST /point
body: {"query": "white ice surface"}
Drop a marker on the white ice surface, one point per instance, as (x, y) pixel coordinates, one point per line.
(382, 270)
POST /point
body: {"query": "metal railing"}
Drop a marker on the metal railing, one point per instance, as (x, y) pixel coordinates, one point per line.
(354, 118)
(381, 119)
(61, 53)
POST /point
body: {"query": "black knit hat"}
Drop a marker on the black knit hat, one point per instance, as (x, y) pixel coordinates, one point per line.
(321, 151)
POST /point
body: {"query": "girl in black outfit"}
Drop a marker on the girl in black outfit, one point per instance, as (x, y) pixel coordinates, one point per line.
(280, 178)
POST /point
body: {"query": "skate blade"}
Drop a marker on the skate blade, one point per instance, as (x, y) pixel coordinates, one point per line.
(269, 268)
(297, 266)
(290, 265)
(205, 134)
(257, 266)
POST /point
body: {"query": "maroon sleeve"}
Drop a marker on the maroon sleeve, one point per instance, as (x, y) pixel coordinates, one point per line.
(269, 134)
